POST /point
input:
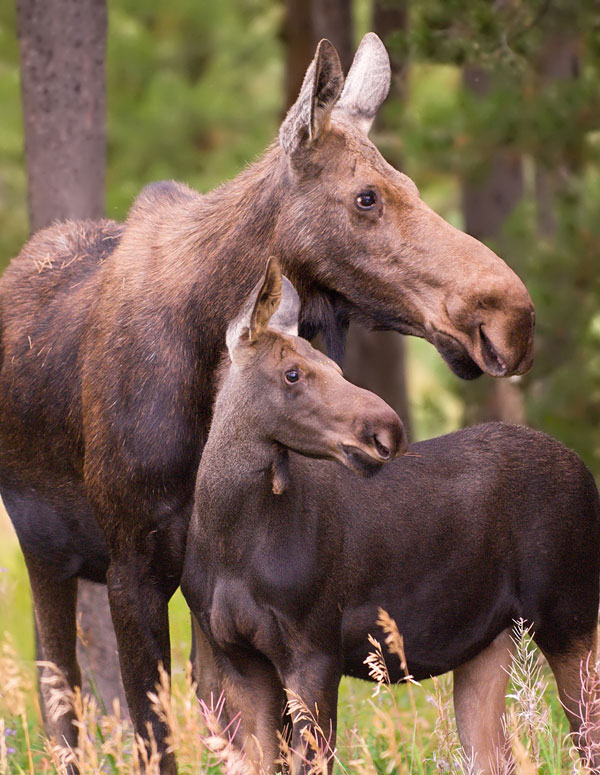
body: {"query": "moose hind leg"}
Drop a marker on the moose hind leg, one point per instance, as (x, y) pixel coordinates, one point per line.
(54, 603)
(139, 608)
(480, 701)
(579, 691)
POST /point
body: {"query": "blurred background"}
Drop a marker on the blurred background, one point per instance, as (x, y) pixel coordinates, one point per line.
(494, 112)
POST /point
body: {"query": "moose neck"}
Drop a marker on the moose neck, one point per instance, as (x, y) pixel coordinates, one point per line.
(225, 236)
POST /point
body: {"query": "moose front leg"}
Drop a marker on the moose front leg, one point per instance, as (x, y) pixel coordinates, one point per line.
(139, 609)
(204, 667)
(312, 695)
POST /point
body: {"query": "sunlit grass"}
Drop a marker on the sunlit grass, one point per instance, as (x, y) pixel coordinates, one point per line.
(382, 729)
(403, 729)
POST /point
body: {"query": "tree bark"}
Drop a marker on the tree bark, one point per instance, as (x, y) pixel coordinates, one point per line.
(488, 198)
(63, 45)
(63, 51)
(558, 60)
(332, 19)
(305, 23)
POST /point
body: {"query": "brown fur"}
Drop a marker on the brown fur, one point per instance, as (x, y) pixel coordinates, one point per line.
(479, 703)
(458, 539)
(110, 336)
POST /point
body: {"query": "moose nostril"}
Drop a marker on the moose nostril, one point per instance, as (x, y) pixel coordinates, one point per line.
(382, 450)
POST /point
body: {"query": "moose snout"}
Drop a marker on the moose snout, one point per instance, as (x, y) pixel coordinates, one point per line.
(505, 341)
(385, 436)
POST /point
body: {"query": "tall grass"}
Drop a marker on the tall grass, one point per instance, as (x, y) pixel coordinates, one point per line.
(383, 729)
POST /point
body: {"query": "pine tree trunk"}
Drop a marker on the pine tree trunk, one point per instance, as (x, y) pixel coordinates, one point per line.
(63, 48)
(558, 61)
(488, 198)
(305, 22)
(332, 19)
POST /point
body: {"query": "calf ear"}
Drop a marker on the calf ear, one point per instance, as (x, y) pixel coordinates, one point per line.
(273, 303)
(309, 115)
(367, 83)
(267, 300)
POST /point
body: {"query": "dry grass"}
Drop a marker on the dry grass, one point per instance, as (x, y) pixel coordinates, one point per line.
(403, 730)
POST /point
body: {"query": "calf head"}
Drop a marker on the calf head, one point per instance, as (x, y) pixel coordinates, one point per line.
(295, 397)
(357, 229)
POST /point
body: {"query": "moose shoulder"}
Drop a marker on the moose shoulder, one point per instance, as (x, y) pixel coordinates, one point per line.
(456, 540)
(110, 336)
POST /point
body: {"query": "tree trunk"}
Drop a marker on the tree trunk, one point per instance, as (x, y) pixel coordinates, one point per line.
(558, 61)
(305, 23)
(488, 198)
(63, 48)
(332, 19)
(62, 78)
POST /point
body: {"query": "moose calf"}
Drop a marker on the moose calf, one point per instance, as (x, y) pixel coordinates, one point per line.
(457, 539)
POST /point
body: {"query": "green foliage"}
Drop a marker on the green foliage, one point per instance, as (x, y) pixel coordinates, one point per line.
(193, 91)
(531, 108)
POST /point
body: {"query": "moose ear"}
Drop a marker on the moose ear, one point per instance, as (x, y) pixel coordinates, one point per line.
(321, 87)
(273, 303)
(367, 83)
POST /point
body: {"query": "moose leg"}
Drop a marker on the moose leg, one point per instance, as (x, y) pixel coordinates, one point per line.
(254, 696)
(312, 695)
(579, 691)
(54, 603)
(204, 667)
(480, 701)
(139, 609)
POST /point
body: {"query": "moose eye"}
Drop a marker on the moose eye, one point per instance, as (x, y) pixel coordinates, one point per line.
(366, 200)
(292, 376)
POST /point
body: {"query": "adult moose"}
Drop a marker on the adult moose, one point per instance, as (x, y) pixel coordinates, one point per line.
(111, 335)
(288, 558)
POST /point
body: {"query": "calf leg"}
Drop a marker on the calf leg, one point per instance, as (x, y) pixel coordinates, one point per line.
(54, 603)
(480, 701)
(579, 691)
(254, 693)
(204, 668)
(314, 682)
(139, 609)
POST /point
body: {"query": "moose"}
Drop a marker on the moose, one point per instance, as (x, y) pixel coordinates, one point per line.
(289, 557)
(111, 335)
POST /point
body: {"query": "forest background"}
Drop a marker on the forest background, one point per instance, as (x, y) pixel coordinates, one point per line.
(494, 112)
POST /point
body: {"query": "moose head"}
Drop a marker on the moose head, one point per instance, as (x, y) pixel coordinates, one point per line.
(289, 396)
(354, 231)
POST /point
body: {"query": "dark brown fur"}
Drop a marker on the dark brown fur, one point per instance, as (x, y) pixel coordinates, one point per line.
(458, 539)
(110, 336)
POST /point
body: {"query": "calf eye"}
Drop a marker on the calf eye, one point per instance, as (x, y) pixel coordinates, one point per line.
(366, 200)
(292, 376)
